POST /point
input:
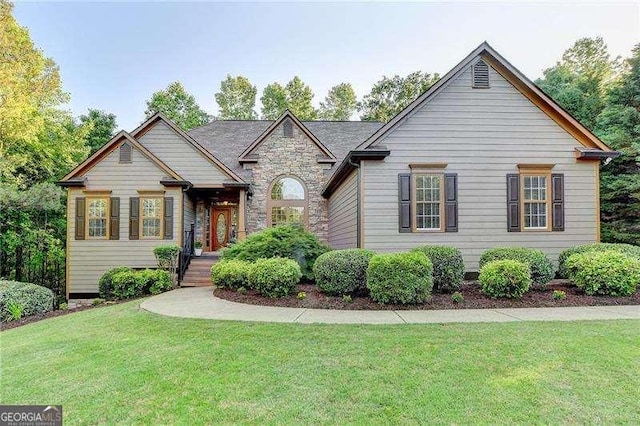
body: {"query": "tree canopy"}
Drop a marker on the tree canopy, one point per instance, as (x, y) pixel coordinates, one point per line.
(178, 105)
(102, 126)
(339, 104)
(295, 96)
(391, 95)
(236, 99)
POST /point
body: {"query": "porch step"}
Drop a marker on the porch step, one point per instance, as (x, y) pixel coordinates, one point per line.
(199, 272)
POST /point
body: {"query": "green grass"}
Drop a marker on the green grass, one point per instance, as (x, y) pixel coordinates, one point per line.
(119, 364)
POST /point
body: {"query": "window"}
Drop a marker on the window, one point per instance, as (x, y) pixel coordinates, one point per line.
(97, 217)
(287, 202)
(428, 205)
(535, 201)
(151, 217)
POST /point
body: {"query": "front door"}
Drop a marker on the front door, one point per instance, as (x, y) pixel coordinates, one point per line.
(220, 227)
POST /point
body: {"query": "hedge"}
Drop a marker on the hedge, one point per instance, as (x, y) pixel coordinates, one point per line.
(123, 282)
(542, 269)
(33, 299)
(608, 273)
(448, 267)
(275, 277)
(233, 274)
(400, 278)
(505, 278)
(628, 249)
(343, 272)
(288, 241)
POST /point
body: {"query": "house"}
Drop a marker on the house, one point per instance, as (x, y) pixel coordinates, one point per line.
(482, 159)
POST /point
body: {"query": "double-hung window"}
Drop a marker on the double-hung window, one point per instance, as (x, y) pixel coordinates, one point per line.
(97, 217)
(151, 217)
(428, 204)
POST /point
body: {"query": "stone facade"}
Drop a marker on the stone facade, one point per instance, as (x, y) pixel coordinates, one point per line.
(280, 156)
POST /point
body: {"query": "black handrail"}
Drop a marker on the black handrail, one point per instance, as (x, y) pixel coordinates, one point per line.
(186, 252)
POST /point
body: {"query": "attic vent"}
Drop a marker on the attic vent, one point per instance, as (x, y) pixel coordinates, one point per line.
(480, 75)
(287, 128)
(125, 153)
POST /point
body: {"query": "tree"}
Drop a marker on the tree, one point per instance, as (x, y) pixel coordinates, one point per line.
(619, 126)
(295, 96)
(578, 82)
(389, 96)
(178, 105)
(38, 139)
(339, 103)
(236, 99)
(102, 127)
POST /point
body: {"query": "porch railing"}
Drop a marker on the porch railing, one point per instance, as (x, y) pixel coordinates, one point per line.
(186, 252)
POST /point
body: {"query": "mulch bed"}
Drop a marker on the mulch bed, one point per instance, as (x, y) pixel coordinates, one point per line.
(473, 299)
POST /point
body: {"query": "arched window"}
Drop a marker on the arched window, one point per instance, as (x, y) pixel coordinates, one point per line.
(287, 202)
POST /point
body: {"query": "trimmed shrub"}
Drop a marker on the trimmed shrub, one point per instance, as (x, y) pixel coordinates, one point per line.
(289, 241)
(125, 283)
(155, 281)
(542, 270)
(448, 267)
(275, 277)
(400, 278)
(608, 273)
(32, 299)
(232, 274)
(628, 249)
(105, 283)
(505, 278)
(341, 272)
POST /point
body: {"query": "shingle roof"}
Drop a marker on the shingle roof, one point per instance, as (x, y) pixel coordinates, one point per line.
(227, 139)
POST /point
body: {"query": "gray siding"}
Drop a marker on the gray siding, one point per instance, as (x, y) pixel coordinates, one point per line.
(89, 259)
(182, 157)
(343, 214)
(189, 209)
(482, 134)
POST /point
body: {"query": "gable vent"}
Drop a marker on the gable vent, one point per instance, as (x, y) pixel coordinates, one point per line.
(125, 153)
(287, 128)
(480, 75)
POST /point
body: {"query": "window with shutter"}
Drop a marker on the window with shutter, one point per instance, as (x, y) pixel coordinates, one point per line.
(535, 199)
(480, 75)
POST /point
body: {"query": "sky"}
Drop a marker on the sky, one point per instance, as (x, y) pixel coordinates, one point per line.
(113, 56)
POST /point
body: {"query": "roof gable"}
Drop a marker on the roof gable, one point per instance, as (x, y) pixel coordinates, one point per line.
(246, 154)
(109, 147)
(159, 117)
(525, 86)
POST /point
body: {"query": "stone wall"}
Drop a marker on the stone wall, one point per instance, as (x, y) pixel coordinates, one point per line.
(295, 156)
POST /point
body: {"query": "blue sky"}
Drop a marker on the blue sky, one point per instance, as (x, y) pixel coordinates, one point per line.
(113, 56)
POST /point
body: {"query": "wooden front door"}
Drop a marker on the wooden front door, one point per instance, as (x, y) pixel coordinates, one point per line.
(220, 227)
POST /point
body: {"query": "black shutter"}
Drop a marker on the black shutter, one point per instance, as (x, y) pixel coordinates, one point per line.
(134, 218)
(513, 202)
(557, 201)
(114, 220)
(80, 219)
(451, 202)
(168, 218)
(404, 202)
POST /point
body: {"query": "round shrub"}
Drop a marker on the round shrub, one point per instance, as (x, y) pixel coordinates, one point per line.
(608, 273)
(448, 267)
(505, 278)
(232, 274)
(342, 272)
(105, 283)
(290, 241)
(127, 285)
(155, 281)
(542, 270)
(628, 249)
(32, 299)
(275, 277)
(400, 278)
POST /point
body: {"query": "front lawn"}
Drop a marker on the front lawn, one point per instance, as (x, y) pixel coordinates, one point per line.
(119, 364)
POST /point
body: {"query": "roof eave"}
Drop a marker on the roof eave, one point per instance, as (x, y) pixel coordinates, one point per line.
(595, 154)
(349, 164)
(73, 183)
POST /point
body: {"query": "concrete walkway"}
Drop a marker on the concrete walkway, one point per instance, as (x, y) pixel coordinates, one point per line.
(199, 302)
